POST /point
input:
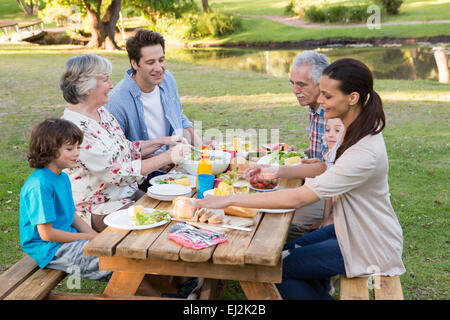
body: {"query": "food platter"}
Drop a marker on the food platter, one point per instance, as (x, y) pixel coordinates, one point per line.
(263, 190)
(121, 220)
(157, 180)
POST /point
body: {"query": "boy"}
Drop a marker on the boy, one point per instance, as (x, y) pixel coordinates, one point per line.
(50, 230)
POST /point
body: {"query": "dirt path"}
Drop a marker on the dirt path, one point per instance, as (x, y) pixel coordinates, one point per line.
(297, 22)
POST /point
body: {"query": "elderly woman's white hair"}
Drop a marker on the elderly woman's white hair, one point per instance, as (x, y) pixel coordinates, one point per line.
(81, 75)
(317, 61)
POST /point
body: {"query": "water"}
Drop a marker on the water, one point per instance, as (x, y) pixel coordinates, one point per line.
(411, 63)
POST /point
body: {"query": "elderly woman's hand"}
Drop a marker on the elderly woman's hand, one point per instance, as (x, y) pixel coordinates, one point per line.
(179, 152)
(174, 140)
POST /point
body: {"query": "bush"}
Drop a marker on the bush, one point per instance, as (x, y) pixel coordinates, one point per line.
(296, 7)
(337, 14)
(391, 6)
(315, 14)
(197, 25)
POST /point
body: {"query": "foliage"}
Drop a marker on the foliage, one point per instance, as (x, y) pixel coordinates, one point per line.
(154, 9)
(337, 13)
(196, 25)
(295, 7)
(391, 6)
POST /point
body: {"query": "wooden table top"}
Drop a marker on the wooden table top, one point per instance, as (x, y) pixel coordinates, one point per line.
(262, 246)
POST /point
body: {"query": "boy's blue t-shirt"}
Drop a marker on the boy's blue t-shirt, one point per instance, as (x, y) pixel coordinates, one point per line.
(45, 197)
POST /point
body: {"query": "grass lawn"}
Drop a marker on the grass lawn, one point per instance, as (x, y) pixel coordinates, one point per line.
(417, 139)
(410, 10)
(264, 30)
(10, 10)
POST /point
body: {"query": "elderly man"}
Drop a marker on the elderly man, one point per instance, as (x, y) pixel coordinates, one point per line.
(305, 77)
(306, 71)
(146, 102)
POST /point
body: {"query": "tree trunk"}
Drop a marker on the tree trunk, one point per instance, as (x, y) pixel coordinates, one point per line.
(206, 6)
(103, 30)
(28, 9)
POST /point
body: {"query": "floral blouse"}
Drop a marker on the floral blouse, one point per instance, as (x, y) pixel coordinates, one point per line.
(109, 166)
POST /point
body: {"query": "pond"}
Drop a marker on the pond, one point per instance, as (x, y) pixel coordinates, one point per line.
(412, 63)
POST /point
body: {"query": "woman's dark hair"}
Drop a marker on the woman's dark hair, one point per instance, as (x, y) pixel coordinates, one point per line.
(142, 38)
(47, 137)
(355, 76)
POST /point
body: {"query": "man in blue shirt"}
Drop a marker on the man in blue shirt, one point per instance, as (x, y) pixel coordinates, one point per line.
(146, 102)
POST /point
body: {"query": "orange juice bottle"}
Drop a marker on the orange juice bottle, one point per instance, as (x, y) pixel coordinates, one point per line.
(204, 166)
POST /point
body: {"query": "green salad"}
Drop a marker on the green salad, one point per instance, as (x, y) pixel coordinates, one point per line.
(151, 217)
(278, 157)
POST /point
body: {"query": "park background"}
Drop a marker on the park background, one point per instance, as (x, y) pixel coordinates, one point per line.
(231, 63)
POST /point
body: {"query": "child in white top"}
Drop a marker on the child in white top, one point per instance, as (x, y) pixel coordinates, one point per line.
(334, 130)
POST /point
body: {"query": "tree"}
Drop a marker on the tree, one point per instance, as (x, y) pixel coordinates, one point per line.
(102, 14)
(206, 6)
(30, 7)
(153, 9)
(103, 28)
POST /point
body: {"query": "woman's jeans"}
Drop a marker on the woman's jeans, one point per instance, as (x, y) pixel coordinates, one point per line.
(308, 264)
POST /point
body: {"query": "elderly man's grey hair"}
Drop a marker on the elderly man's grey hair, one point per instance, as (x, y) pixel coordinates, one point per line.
(317, 61)
(81, 75)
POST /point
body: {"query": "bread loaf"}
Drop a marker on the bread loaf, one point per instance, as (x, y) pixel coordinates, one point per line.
(241, 211)
(183, 207)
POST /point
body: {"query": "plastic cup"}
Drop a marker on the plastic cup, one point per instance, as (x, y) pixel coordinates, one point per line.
(241, 186)
(204, 182)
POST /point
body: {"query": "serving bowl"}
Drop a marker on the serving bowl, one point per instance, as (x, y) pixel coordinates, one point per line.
(220, 160)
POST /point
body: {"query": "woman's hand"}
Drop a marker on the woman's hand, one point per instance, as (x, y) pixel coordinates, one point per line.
(310, 161)
(262, 170)
(212, 202)
(174, 140)
(179, 152)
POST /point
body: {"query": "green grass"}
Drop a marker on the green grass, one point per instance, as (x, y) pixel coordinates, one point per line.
(410, 10)
(10, 10)
(264, 30)
(417, 139)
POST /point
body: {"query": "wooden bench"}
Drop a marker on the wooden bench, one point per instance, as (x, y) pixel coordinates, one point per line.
(384, 288)
(26, 281)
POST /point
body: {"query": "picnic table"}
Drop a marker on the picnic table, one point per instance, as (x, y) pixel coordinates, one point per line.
(252, 258)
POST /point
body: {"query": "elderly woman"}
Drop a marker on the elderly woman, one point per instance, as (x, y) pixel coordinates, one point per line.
(110, 166)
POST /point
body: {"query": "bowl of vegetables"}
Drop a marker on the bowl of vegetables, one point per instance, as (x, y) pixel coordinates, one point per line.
(220, 160)
(261, 182)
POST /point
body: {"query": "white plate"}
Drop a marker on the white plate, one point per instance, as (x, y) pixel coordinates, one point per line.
(276, 210)
(153, 180)
(167, 198)
(121, 220)
(169, 190)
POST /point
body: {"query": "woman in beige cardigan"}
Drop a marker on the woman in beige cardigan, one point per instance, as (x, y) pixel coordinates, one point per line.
(366, 238)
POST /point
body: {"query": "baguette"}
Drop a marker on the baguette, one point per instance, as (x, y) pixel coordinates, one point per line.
(241, 211)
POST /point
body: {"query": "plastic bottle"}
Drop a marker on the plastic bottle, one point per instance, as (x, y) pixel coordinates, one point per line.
(204, 166)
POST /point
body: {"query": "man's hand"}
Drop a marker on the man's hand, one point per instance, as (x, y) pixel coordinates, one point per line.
(291, 149)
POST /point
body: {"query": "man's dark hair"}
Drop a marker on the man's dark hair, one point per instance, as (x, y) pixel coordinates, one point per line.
(47, 137)
(142, 38)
